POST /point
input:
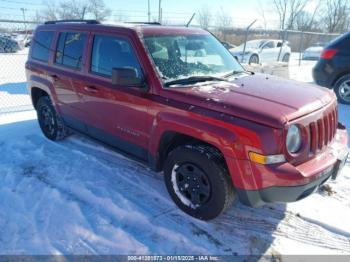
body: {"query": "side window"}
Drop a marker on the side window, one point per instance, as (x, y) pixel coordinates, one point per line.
(112, 52)
(70, 48)
(41, 45)
(269, 44)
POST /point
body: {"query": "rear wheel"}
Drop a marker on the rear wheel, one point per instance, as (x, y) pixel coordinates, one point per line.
(254, 59)
(342, 89)
(198, 182)
(50, 122)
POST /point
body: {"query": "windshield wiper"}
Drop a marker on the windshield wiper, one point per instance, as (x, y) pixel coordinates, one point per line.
(237, 73)
(194, 79)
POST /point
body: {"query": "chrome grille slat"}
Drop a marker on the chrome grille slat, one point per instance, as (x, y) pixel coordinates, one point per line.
(323, 131)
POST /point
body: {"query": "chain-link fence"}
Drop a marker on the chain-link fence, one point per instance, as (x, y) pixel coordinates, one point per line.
(300, 42)
(15, 39)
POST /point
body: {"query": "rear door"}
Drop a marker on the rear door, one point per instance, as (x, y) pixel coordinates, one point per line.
(66, 74)
(117, 115)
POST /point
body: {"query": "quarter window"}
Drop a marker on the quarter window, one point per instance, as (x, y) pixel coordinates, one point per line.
(41, 45)
(70, 49)
(112, 52)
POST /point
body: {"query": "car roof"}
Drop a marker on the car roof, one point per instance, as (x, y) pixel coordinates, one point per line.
(144, 28)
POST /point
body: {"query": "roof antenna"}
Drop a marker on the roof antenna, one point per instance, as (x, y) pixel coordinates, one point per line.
(189, 22)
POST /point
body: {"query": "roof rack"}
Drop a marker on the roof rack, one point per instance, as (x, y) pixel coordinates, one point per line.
(144, 23)
(91, 22)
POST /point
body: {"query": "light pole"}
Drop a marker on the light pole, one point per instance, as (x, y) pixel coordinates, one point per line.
(24, 19)
(160, 12)
(149, 11)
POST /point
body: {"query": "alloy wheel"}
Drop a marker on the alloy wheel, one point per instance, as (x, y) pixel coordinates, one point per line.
(344, 91)
(191, 185)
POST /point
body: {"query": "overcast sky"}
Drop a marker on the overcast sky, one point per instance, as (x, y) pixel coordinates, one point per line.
(174, 11)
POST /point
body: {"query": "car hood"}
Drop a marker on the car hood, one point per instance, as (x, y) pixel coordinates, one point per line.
(260, 98)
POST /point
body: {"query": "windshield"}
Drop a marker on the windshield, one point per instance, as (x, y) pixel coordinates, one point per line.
(254, 44)
(178, 57)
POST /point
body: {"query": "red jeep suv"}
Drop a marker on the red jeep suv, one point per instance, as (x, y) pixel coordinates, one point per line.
(175, 98)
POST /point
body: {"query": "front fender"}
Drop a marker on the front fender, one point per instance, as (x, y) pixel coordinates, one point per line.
(217, 136)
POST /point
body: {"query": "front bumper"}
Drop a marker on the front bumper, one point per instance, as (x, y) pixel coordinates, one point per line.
(260, 184)
(255, 198)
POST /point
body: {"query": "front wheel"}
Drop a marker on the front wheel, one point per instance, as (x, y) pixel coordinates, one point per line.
(198, 182)
(50, 122)
(254, 59)
(342, 89)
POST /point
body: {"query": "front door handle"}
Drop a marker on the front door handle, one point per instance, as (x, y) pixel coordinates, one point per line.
(91, 89)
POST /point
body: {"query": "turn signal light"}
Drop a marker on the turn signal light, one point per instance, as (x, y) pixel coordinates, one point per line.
(266, 160)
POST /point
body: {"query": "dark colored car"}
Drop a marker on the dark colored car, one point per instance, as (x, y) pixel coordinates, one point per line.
(176, 99)
(333, 68)
(8, 45)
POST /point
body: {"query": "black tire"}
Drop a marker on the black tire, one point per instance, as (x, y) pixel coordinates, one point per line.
(50, 122)
(208, 174)
(342, 89)
(286, 58)
(254, 59)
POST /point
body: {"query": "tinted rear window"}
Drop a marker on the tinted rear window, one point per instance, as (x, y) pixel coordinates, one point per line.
(41, 45)
(70, 49)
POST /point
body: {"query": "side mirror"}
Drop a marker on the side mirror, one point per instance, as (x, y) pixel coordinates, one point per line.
(279, 44)
(126, 76)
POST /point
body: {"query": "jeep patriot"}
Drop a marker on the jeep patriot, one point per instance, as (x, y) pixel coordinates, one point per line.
(176, 99)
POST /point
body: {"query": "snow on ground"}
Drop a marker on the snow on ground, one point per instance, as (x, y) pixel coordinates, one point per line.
(80, 197)
(13, 92)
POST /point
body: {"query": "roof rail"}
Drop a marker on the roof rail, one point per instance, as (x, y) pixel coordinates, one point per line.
(91, 22)
(144, 23)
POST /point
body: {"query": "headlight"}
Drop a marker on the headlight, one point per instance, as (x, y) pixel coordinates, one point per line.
(293, 139)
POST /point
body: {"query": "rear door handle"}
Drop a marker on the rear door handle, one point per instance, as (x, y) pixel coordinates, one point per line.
(91, 89)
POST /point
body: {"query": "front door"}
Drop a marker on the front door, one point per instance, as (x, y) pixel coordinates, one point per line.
(117, 115)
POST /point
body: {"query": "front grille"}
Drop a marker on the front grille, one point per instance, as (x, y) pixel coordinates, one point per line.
(323, 130)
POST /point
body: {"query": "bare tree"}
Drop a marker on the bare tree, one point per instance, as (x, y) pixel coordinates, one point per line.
(50, 12)
(223, 22)
(308, 21)
(288, 10)
(281, 9)
(335, 15)
(204, 17)
(75, 9)
(262, 12)
(98, 10)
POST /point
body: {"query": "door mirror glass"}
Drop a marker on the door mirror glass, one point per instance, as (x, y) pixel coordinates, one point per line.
(126, 76)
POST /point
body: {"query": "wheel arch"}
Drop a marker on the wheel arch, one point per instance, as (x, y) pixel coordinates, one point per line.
(173, 131)
(339, 76)
(36, 93)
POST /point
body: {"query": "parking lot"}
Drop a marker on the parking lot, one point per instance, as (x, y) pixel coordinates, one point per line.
(79, 197)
